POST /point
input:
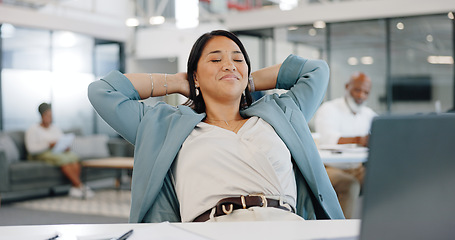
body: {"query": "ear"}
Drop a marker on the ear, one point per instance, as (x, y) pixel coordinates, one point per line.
(196, 82)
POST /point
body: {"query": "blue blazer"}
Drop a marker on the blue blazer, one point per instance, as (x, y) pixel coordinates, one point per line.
(158, 132)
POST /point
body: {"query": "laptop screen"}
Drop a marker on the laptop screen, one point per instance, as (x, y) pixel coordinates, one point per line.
(409, 189)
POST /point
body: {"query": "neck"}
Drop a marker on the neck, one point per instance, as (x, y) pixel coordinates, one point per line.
(223, 112)
(225, 120)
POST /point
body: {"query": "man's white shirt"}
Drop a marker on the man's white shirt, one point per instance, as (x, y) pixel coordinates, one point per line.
(334, 119)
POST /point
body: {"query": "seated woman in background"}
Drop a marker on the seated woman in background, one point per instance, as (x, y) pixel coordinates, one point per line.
(41, 138)
(219, 157)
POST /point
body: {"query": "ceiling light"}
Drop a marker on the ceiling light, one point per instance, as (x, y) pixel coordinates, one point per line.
(440, 59)
(157, 20)
(430, 38)
(451, 15)
(187, 13)
(65, 39)
(319, 24)
(353, 61)
(132, 22)
(367, 60)
(400, 26)
(312, 32)
(292, 28)
(7, 30)
(286, 5)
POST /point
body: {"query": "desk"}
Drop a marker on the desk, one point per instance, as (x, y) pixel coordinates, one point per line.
(329, 156)
(343, 156)
(343, 159)
(319, 229)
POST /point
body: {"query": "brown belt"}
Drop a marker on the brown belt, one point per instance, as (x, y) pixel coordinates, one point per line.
(226, 205)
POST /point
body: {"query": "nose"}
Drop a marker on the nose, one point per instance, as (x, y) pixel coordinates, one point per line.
(229, 65)
(361, 97)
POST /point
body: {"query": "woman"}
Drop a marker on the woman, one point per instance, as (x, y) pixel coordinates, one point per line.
(204, 162)
(40, 140)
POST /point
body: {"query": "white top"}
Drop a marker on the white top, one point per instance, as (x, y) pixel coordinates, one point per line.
(215, 163)
(38, 138)
(334, 119)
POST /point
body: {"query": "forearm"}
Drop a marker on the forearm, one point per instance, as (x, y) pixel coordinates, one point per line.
(362, 141)
(265, 78)
(158, 84)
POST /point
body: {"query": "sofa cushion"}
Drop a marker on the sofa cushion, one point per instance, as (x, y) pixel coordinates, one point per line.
(33, 170)
(18, 137)
(9, 147)
(92, 146)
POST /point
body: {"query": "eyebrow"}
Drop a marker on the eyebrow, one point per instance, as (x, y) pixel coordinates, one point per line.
(219, 51)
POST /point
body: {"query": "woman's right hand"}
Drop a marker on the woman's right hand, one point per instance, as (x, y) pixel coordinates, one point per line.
(182, 79)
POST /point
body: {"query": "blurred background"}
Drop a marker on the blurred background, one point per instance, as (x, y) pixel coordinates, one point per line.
(52, 49)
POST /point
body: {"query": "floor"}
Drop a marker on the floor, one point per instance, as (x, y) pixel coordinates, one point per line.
(11, 215)
(107, 206)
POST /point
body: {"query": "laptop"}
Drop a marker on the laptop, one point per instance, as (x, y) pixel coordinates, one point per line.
(409, 188)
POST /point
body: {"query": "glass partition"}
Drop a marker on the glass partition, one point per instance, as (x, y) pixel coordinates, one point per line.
(54, 67)
(309, 41)
(359, 46)
(409, 60)
(26, 76)
(421, 66)
(72, 72)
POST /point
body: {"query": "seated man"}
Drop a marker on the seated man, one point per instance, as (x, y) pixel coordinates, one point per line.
(41, 138)
(346, 120)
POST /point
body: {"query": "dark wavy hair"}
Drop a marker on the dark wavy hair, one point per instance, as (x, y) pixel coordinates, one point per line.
(197, 102)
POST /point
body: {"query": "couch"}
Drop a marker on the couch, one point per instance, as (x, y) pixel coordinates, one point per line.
(22, 179)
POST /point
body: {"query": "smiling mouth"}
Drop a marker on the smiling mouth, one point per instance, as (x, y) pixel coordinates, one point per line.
(228, 77)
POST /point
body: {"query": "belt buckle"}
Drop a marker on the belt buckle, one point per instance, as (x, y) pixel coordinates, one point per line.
(263, 198)
(227, 212)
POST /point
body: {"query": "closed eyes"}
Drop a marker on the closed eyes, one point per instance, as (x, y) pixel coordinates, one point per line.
(219, 60)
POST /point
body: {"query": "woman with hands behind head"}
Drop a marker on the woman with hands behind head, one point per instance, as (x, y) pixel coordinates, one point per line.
(219, 157)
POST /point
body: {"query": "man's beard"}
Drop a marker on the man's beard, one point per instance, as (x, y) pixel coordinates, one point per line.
(355, 107)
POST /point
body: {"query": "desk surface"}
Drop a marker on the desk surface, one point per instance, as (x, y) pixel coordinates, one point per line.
(320, 229)
(330, 156)
(343, 155)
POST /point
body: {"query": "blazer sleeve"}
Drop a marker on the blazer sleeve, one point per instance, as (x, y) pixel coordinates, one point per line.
(117, 102)
(306, 81)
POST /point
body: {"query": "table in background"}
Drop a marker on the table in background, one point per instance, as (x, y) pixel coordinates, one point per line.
(119, 163)
(343, 156)
(286, 230)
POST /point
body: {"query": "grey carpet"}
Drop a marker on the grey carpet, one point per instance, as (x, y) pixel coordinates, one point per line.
(108, 206)
(11, 216)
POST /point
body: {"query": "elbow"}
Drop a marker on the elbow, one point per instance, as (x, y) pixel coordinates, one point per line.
(91, 90)
(94, 92)
(324, 70)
